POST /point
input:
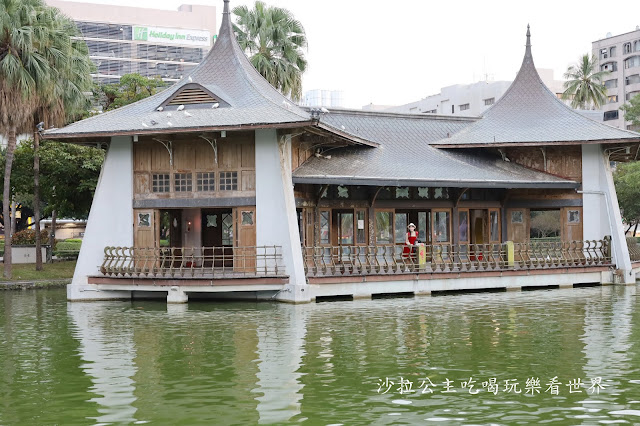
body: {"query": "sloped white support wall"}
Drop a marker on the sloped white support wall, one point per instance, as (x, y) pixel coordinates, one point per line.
(600, 207)
(110, 220)
(276, 221)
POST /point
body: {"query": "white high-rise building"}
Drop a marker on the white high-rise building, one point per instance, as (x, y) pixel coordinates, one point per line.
(620, 55)
(323, 98)
(470, 99)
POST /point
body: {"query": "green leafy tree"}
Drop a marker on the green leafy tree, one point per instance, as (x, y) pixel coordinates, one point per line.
(131, 88)
(627, 179)
(274, 41)
(69, 176)
(632, 112)
(38, 72)
(584, 85)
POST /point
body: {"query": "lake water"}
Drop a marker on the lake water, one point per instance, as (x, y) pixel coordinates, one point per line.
(327, 363)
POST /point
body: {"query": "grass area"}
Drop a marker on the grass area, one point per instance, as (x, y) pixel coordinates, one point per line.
(51, 271)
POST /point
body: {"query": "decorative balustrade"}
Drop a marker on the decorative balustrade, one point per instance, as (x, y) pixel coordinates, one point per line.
(193, 262)
(388, 259)
(634, 249)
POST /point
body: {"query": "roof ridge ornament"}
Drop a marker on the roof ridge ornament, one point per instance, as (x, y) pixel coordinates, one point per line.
(226, 7)
(527, 52)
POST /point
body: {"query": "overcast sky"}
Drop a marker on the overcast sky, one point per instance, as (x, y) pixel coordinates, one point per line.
(395, 52)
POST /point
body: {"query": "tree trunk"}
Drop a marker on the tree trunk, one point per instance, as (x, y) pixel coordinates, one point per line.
(52, 232)
(635, 229)
(6, 201)
(628, 229)
(36, 199)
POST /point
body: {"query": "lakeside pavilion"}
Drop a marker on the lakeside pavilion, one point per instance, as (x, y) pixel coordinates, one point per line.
(221, 186)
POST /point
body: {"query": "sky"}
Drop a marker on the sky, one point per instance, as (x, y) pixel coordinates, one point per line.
(399, 51)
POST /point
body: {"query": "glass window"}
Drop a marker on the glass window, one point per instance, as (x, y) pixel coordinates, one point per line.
(423, 192)
(610, 115)
(247, 218)
(228, 181)
(227, 229)
(632, 79)
(361, 232)
(206, 181)
(573, 216)
(343, 192)
(441, 193)
(144, 220)
(160, 182)
(383, 227)
(545, 225)
(182, 182)
(423, 226)
(516, 217)
(494, 233)
(402, 192)
(345, 228)
(463, 226)
(489, 101)
(612, 51)
(324, 227)
(401, 227)
(611, 84)
(442, 227)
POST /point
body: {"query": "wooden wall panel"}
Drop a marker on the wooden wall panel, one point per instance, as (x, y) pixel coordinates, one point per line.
(205, 155)
(184, 156)
(248, 155)
(142, 156)
(141, 184)
(518, 232)
(159, 157)
(572, 224)
(563, 161)
(248, 180)
(228, 154)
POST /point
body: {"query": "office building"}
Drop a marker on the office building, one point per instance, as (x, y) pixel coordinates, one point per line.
(151, 42)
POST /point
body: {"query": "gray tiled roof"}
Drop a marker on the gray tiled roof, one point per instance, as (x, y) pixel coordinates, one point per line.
(405, 156)
(529, 113)
(227, 73)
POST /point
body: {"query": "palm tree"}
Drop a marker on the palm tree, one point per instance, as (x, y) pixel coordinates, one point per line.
(39, 70)
(64, 99)
(274, 41)
(584, 86)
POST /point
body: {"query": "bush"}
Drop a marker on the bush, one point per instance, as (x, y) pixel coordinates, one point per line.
(28, 237)
(67, 249)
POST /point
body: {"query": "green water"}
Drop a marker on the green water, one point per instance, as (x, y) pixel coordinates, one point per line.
(320, 364)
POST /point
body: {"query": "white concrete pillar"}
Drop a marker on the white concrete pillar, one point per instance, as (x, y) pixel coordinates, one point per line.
(177, 295)
(600, 207)
(276, 222)
(110, 220)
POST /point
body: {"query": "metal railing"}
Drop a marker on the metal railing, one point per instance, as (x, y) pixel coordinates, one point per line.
(193, 262)
(634, 249)
(388, 259)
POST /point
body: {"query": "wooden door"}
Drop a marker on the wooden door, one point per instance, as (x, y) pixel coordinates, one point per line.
(572, 224)
(518, 225)
(144, 239)
(217, 241)
(245, 253)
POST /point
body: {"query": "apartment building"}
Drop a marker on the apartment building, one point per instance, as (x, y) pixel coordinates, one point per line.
(620, 55)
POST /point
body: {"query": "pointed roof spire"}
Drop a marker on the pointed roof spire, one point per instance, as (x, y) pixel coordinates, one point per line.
(229, 91)
(530, 114)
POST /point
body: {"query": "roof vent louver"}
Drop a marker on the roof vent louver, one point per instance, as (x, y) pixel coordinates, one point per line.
(193, 94)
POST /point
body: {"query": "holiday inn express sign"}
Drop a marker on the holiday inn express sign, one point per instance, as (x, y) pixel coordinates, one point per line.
(172, 36)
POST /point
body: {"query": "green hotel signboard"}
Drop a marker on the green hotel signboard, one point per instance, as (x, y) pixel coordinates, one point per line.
(172, 36)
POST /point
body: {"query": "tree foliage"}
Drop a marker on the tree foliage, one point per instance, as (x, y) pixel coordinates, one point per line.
(44, 72)
(131, 88)
(69, 176)
(632, 111)
(274, 41)
(627, 182)
(584, 85)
